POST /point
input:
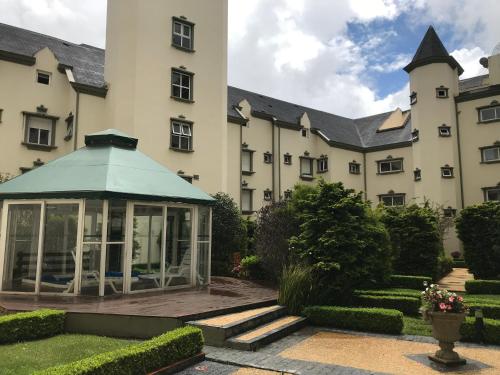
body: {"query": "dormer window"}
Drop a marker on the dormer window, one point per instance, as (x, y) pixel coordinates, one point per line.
(268, 158)
(415, 135)
(441, 92)
(447, 172)
(323, 164)
(287, 159)
(444, 131)
(182, 34)
(413, 98)
(417, 174)
(43, 78)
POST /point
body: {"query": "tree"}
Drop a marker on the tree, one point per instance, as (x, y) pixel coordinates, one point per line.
(227, 233)
(342, 240)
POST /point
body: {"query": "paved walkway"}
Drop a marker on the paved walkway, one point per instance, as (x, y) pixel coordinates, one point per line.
(455, 280)
(315, 351)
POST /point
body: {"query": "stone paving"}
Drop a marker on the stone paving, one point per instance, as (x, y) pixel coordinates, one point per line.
(455, 280)
(322, 351)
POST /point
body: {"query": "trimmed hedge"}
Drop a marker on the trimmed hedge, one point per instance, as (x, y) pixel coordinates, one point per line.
(409, 282)
(482, 286)
(390, 292)
(490, 311)
(31, 325)
(459, 263)
(491, 331)
(407, 305)
(359, 319)
(151, 355)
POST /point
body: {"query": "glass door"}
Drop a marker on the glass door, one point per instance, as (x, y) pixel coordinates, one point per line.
(92, 248)
(203, 246)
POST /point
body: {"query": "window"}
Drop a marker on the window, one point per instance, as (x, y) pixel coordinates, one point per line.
(287, 159)
(39, 131)
(182, 136)
(492, 194)
(392, 199)
(247, 161)
(490, 154)
(354, 168)
(182, 85)
(69, 127)
(417, 174)
(390, 166)
(268, 195)
(288, 194)
(323, 164)
(247, 200)
(449, 212)
(444, 131)
(305, 133)
(306, 168)
(43, 78)
(413, 98)
(447, 172)
(268, 158)
(489, 114)
(1, 113)
(415, 136)
(182, 34)
(441, 92)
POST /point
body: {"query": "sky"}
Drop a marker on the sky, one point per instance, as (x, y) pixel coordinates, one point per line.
(340, 56)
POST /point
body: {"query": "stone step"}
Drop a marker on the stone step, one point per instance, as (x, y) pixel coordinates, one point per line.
(217, 329)
(263, 335)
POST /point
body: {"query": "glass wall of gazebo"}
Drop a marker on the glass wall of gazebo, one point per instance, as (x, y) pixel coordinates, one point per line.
(105, 219)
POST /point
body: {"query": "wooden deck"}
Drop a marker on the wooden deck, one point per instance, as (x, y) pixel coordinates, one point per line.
(224, 295)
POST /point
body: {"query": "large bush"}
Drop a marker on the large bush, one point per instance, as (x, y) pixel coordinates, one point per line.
(410, 282)
(482, 286)
(31, 325)
(415, 239)
(296, 284)
(490, 332)
(227, 234)
(143, 358)
(276, 224)
(479, 229)
(341, 240)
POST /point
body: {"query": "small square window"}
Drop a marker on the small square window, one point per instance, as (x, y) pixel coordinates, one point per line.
(268, 195)
(449, 212)
(182, 34)
(354, 168)
(413, 98)
(415, 135)
(417, 174)
(447, 172)
(1, 113)
(444, 131)
(441, 92)
(43, 78)
(288, 194)
(322, 165)
(287, 159)
(268, 158)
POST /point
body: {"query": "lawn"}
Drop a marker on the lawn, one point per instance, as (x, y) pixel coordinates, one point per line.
(416, 326)
(27, 357)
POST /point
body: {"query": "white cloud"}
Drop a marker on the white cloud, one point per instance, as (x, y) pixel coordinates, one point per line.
(372, 9)
(397, 63)
(469, 60)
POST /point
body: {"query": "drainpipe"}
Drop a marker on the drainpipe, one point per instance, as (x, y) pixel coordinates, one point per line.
(279, 162)
(75, 124)
(241, 163)
(364, 176)
(462, 198)
(273, 124)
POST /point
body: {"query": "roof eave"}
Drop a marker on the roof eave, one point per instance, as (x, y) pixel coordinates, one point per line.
(450, 60)
(82, 88)
(17, 58)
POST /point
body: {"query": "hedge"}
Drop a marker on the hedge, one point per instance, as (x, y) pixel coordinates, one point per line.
(459, 263)
(390, 292)
(409, 282)
(31, 325)
(148, 356)
(491, 311)
(359, 319)
(491, 331)
(407, 305)
(482, 286)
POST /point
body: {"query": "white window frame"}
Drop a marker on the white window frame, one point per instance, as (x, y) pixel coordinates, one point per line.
(496, 113)
(182, 34)
(268, 158)
(488, 190)
(268, 195)
(48, 127)
(250, 193)
(447, 172)
(287, 159)
(311, 166)
(483, 154)
(47, 74)
(444, 131)
(180, 85)
(185, 131)
(250, 156)
(354, 168)
(441, 92)
(323, 165)
(391, 168)
(392, 197)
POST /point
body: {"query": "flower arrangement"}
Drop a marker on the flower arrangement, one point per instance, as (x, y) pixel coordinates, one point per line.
(436, 299)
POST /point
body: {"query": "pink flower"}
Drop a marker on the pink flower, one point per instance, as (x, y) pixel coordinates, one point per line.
(452, 299)
(460, 299)
(442, 306)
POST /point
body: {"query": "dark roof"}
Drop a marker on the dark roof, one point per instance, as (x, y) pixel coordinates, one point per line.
(473, 83)
(87, 62)
(432, 50)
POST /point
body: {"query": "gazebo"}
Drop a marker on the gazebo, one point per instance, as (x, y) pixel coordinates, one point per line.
(105, 219)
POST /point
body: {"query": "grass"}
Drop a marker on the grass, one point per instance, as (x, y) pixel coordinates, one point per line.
(27, 357)
(416, 326)
(493, 299)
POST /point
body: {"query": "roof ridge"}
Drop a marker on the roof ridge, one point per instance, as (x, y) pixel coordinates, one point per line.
(41, 34)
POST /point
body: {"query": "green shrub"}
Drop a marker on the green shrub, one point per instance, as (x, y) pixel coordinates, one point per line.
(479, 229)
(459, 263)
(415, 238)
(491, 331)
(407, 305)
(31, 325)
(410, 282)
(295, 288)
(490, 311)
(390, 292)
(148, 356)
(482, 286)
(359, 319)
(445, 266)
(251, 268)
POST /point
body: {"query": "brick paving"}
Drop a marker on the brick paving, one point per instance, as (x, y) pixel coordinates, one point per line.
(455, 280)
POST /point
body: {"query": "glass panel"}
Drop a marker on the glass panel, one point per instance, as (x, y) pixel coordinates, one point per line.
(491, 154)
(305, 167)
(33, 135)
(185, 94)
(23, 226)
(113, 277)
(487, 114)
(176, 91)
(176, 78)
(116, 221)
(186, 43)
(176, 128)
(203, 246)
(398, 200)
(246, 161)
(176, 141)
(92, 230)
(185, 143)
(397, 165)
(59, 248)
(493, 195)
(91, 263)
(177, 27)
(178, 256)
(246, 200)
(146, 248)
(44, 137)
(387, 201)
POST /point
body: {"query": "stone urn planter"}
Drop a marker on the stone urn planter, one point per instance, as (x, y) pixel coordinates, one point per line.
(446, 329)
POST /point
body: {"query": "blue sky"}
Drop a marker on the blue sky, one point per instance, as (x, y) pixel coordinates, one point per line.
(340, 56)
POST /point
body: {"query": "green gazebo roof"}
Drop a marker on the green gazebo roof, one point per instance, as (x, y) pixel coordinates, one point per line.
(109, 166)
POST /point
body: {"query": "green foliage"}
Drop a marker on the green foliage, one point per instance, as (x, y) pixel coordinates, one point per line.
(359, 319)
(479, 229)
(295, 288)
(459, 263)
(31, 325)
(390, 292)
(227, 233)
(416, 326)
(142, 358)
(445, 266)
(251, 268)
(407, 305)
(415, 238)
(341, 239)
(482, 286)
(409, 282)
(491, 311)
(491, 331)
(276, 224)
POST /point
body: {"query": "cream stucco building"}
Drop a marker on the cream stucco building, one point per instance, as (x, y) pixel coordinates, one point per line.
(163, 79)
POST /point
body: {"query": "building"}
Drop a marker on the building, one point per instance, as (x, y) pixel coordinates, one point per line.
(163, 79)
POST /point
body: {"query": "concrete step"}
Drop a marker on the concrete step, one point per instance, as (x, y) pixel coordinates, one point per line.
(217, 329)
(265, 334)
